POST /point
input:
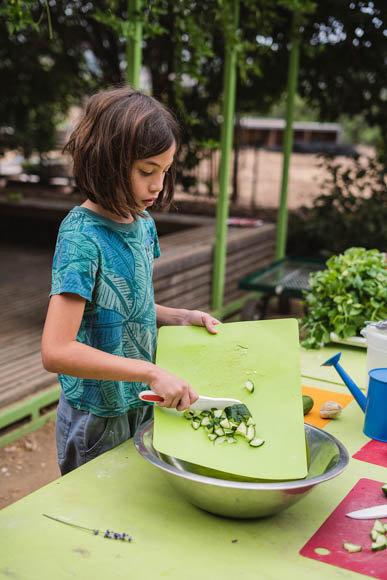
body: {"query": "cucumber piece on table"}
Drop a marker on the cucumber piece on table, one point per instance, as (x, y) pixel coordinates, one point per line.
(249, 386)
(307, 403)
(379, 527)
(384, 489)
(195, 425)
(374, 535)
(256, 442)
(352, 547)
(379, 544)
(220, 440)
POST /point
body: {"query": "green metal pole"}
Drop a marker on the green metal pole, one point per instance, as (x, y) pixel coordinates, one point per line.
(288, 138)
(226, 138)
(134, 45)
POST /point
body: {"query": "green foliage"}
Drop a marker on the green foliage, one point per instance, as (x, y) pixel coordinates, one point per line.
(183, 48)
(19, 15)
(343, 62)
(351, 290)
(351, 211)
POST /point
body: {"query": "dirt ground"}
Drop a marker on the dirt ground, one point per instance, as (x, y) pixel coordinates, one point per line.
(28, 464)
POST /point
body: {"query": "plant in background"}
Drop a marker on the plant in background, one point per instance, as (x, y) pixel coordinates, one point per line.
(351, 211)
(351, 290)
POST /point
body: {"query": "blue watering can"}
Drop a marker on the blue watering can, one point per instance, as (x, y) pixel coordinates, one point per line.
(374, 405)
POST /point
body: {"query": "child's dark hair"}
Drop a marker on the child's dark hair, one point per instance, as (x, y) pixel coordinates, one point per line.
(118, 127)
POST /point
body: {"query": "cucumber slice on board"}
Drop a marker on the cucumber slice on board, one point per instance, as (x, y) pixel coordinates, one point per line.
(352, 547)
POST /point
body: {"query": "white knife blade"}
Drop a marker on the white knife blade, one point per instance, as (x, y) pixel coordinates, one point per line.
(376, 511)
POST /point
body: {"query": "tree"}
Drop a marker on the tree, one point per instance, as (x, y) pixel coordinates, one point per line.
(344, 59)
(341, 69)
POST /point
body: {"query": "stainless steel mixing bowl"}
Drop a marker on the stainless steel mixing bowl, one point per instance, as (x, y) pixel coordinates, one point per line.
(237, 497)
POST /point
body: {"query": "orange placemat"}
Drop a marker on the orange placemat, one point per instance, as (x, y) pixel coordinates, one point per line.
(321, 396)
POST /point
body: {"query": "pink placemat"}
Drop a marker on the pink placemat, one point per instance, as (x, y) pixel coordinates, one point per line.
(373, 452)
(338, 528)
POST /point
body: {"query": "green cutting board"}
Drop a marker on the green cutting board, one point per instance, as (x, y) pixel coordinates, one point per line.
(265, 352)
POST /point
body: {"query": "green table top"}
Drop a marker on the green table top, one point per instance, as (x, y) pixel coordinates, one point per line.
(122, 492)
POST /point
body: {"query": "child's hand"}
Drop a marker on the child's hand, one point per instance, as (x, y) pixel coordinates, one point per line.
(199, 318)
(175, 392)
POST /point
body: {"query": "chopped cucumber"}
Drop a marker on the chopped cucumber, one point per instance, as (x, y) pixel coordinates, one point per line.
(379, 544)
(384, 489)
(223, 425)
(374, 535)
(256, 442)
(352, 547)
(249, 386)
(250, 433)
(237, 413)
(219, 431)
(379, 527)
(241, 430)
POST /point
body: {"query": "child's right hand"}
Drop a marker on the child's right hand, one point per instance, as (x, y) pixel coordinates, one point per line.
(176, 393)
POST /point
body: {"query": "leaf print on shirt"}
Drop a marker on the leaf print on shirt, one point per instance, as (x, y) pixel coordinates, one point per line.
(117, 255)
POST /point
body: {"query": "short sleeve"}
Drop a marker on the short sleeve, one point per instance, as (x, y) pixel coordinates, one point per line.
(75, 265)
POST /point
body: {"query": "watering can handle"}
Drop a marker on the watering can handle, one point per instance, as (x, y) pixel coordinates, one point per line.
(356, 392)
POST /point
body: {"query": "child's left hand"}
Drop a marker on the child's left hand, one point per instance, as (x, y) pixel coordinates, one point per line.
(199, 318)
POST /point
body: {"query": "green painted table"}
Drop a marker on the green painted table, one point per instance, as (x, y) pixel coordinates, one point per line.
(123, 492)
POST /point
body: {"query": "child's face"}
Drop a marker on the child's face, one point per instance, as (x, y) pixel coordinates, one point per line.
(148, 176)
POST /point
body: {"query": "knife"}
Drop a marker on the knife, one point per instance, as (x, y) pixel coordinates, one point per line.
(376, 511)
(202, 404)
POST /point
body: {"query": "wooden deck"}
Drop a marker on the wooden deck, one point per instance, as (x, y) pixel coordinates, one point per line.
(182, 278)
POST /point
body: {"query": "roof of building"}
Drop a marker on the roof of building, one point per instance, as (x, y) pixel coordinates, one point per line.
(264, 123)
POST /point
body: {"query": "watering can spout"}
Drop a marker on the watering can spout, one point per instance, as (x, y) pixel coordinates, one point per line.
(356, 392)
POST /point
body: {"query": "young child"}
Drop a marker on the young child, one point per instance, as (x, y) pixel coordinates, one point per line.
(100, 329)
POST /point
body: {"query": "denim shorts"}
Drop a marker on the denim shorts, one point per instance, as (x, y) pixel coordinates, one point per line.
(82, 436)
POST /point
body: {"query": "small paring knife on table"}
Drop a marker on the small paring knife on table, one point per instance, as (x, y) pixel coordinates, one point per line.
(376, 511)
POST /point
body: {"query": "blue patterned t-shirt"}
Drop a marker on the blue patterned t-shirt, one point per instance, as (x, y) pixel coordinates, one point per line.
(110, 264)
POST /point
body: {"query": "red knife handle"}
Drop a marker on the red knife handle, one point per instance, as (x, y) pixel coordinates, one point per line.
(152, 398)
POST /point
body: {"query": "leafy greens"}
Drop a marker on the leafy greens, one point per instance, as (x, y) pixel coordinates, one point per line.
(351, 290)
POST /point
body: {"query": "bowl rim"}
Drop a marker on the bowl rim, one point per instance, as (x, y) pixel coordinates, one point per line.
(244, 485)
